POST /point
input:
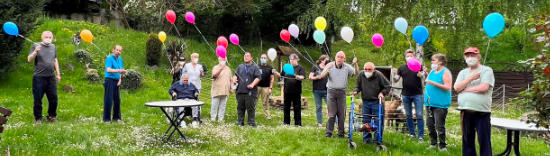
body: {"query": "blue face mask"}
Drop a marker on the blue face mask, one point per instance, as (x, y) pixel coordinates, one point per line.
(263, 60)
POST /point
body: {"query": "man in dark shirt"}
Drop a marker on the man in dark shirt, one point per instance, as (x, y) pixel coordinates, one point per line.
(265, 85)
(293, 91)
(183, 89)
(373, 86)
(412, 92)
(247, 76)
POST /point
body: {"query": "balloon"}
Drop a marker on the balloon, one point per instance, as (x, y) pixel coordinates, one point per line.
(320, 23)
(272, 54)
(11, 29)
(222, 41)
(493, 24)
(294, 30)
(319, 36)
(401, 25)
(190, 17)
(86, 35)
(420, 34)
(162, 36)
(171, 16)
(221, 51)
(347, 34)
(285, 35)
(414, 65)
(288, 69)
(234, 39)
(377, 40)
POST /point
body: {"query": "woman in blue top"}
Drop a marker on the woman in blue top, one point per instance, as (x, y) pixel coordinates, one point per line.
(437, 100)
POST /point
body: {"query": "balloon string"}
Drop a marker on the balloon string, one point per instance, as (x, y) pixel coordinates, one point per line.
(328, 50)
(177, 31)
(408, 40)
(300, 53)
(209, 46)
(310, 58)
(487, 50)
(242, 49)
(26, 39)
(96, 46)
(168, 57)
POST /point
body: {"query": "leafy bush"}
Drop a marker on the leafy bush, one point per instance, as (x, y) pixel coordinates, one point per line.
(131, 80)
(83, 56)
(153, 51)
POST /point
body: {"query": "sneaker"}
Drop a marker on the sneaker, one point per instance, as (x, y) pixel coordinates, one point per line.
(444, 149)
(195, 124)
(183, 124)
(269, 118)
(119, 121)
(431, 147)
(51, 119)
(328, 135)
(320, 125)
(421, 139)
(412, 136)
(38, 122)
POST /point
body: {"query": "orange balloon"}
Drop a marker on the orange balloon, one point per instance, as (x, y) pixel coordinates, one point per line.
(86, 35)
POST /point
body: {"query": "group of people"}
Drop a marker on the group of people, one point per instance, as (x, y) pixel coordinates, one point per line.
(251, 82)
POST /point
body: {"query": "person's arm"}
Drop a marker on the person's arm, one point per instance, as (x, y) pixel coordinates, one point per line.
(216, 71)
(447, 82)
(33, 52)
(355, 68)
(487, 81)
(272, 77)
(461, 85)
(357, 85)
(171, 91)
(300, 74)
(57, 72)
(257, 76)
(201, 70)
(312, 76)
(325, 72)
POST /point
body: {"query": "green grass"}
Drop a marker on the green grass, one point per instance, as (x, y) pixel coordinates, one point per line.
(81, 132)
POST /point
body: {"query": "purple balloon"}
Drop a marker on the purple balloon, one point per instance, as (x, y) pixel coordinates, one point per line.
(190, 17)
(221, 51)
(377, 40)
(413, 65)
(234, 39)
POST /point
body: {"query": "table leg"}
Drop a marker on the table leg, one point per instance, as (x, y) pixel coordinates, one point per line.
(508, 143)
(172, 124)
(516, 143)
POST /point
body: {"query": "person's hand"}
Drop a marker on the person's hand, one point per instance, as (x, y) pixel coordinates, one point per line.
(354, 61)
(122, 71)
(430, 82)
(119, 83)
(354, 93)
(420, 74)
(174, 94)
(381, 96)
(230, 91)
(269, 91)
(58, 78)
(474, 76)
(330, 65)
(250, 86)
(37, 48)
(426, 68)
(299, 77)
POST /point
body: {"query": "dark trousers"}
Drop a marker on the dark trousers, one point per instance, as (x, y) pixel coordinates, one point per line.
(246, 104)
(370, 111)
(41, 86)
(336, 109)
(435, 120)
(476, 122)
(112, 93)
(294, 101)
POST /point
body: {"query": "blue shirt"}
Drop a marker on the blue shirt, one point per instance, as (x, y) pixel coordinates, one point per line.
(114, 63)
(183, 91)
(435, 96)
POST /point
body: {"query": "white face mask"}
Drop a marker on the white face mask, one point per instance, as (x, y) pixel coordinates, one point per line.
(47, 41)
(196, 60)
(368, 74)
(435, 66)
(396, 76)
(471, 61)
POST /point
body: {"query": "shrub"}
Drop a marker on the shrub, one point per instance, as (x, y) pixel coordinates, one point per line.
(153, 51)
(131, 80)
(83, 56)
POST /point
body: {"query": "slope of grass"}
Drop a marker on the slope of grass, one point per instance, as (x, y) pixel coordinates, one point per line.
(81, 132)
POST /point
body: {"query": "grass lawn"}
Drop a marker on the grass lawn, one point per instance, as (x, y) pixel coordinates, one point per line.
(80, 130)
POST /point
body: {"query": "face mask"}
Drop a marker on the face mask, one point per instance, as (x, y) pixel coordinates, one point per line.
(408, 58)
(196, 60)
(435, 66)
(222, 62)
(396, 77)
(471, 61)
(47, 41)
(263, 61)
(368, 74)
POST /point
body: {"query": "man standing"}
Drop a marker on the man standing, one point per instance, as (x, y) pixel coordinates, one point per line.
(338, 73)
(474, 86)
(221, 88)
(293, 91)
(113, 68)
(412, 92)
(44, 55)
(265, 85)
(247, 76)
(373, 86)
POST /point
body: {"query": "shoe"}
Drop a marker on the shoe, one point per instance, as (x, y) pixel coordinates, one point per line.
(412, 135)
(195, 124)
(119, 121)
(183, 124)
(444, 149)
(420, 139)
(51, 119)
(341, 136)
(269, 118)
(38, 122)
(328, 135)
(432, 146)
(320, 125)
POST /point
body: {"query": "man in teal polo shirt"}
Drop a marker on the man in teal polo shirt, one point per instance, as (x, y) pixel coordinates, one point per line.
(113, 68)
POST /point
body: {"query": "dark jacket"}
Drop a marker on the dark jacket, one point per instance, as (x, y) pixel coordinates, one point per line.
(188, 91)
(371, 87)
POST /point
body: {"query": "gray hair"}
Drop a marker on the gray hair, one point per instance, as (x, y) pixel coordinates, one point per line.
(293, 56)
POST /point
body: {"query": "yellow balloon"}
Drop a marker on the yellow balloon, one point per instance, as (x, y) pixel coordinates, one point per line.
(320, 23)
(162, 36)
(86, 35)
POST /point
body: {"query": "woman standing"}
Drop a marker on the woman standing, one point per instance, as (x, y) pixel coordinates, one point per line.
(221, 88)
(319, 87)
(438, 100)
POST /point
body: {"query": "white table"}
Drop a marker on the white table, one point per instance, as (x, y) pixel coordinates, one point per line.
(174, 119)
(513, 128)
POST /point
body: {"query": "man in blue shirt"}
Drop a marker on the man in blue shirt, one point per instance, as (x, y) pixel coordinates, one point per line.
(113, 68)
(247, 76)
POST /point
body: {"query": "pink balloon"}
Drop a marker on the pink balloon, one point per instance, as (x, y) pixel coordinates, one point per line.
(377, 40)
(413, 65)
(171, 16)
(190, 17)
(221, 51)
(234, 39)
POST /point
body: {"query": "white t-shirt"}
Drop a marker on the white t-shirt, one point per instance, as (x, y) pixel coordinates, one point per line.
(194, 73)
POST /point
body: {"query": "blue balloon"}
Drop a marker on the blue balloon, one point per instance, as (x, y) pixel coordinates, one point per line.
(401, 25)
(319, 36)
(288, 69)
(11, 29)
(493, 24)
(420, 34)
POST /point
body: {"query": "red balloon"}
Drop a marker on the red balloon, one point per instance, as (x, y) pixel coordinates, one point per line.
(222, 41)
(285, 35)
(171, 16)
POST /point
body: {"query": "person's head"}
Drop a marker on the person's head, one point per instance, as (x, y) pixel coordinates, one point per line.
(263, 59)
(409, 54)
(247, 57)
(369, 69)
(181, 61)
(340, 58)
(472, 56)
(47, 37)
(293, 59)
(195, 58)
(221, 60)
(185, 79)
(439, 60)
(117, 50)
(323, 59)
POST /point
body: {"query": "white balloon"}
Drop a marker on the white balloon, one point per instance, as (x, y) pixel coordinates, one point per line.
(294, 30)
(347, 34)
(272, 54)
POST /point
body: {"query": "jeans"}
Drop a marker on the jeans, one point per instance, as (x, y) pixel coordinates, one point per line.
(336, 111)
(419, 108)
(217, 108)
(476, 122)
(370, 111)
(112, 93)
(435, 120)
(319, 95)
(295, 101)
(41, 86)
(246, 104)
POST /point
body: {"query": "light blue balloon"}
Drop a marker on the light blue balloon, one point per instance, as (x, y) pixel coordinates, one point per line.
(420, 34)
(319, 36)
(288, 69)
(493, 24)
(401, 25)
(11, 29)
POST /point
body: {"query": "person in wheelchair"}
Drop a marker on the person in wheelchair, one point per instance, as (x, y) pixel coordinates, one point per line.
(182, 90)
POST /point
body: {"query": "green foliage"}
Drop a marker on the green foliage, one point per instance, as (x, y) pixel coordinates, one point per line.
(153, 51)
(83, 56)
(132, 80)
(23, 13)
